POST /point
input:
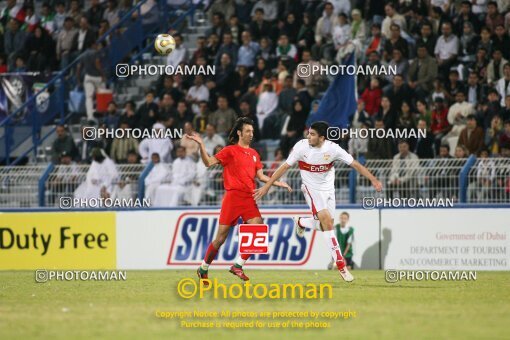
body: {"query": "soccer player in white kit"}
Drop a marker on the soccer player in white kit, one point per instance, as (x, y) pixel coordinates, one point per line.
(315, 156)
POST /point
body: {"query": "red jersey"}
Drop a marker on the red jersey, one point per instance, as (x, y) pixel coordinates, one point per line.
(439, 120)
(240, 166)
(372, 99)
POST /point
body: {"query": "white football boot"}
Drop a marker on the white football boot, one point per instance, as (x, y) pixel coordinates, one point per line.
(300, 231)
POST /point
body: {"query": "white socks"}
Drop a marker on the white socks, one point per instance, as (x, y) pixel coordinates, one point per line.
(240, 261)
(310, 223)
(205, 265)
(329, 236)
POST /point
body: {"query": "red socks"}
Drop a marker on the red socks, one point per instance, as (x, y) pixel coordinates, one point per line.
(210, 254)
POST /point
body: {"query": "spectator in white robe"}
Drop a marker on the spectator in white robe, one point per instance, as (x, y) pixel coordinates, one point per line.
(160, 173)
(123, 190)
(268, 102)
(162, 146)
(183, 173)
(101, 177)
(199, 183)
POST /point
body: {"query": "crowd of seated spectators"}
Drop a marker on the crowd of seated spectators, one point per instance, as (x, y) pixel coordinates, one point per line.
(452, 61)
(51, 37)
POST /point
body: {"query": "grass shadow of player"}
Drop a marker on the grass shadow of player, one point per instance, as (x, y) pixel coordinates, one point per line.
(370, 258)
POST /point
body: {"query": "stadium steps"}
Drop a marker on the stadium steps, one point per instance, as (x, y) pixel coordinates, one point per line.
(200, 30)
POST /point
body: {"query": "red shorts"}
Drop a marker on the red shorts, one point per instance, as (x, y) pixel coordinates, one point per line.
(238, 204)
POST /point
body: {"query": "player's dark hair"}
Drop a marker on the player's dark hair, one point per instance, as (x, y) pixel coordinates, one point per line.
(233, 137)
(321, 127)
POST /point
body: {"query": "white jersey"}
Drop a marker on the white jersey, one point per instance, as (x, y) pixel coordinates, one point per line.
(316, 164)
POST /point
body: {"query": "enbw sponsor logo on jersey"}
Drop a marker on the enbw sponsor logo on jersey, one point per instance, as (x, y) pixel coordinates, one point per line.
(194, 232)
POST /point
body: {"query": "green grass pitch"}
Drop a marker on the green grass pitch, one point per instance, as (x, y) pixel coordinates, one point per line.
(126, 309)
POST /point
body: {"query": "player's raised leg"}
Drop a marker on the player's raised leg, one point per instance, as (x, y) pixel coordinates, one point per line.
(307, 222)
(327, 223)
(303, 223)
(237, 268)
(211, 252)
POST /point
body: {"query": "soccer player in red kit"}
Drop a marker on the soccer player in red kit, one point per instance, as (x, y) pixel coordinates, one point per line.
(241, 165)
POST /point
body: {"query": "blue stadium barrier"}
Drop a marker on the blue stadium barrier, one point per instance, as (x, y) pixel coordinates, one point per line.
(141, 180)
(463, 178)
(42, 184)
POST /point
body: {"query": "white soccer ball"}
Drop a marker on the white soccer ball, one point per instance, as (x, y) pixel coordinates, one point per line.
(164, 44)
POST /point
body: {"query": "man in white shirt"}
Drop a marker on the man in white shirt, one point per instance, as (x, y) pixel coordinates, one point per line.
(179, 54)
(197, 93)
(392, 17)
(315, 156)
(65, 42)
(503, 85)
(457, 116)
(324, 31)
(447, 48)
(405, 165)
(212, 139)
(64, 181)
(342, 38)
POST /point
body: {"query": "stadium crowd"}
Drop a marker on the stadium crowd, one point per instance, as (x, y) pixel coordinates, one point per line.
(48, 39)
(452, 60)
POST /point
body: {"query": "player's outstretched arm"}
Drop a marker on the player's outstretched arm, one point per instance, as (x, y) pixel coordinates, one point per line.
(208, 160)
(260, 192)
(365, 172)
(265, 179)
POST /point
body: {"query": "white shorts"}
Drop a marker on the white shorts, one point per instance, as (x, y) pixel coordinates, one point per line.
(319, 200)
